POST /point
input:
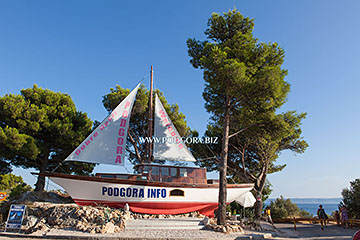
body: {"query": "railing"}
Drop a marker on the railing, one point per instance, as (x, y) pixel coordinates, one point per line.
(350, 222)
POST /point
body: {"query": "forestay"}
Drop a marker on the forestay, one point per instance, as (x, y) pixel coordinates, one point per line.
(107, 143)
(168, 144)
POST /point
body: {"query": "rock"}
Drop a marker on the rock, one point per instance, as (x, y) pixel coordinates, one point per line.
(98, 229)
(100, 220)
(117, 229)
(127, 216)
(108, 228)
(126, 207)
(43, 216)
(31, 221)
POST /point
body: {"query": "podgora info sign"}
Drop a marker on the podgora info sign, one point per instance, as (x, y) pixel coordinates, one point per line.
(16, 216)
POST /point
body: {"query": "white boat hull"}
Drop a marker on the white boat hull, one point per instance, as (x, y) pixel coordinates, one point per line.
(150, 198)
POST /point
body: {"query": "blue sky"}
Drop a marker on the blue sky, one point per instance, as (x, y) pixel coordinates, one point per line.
(84, 48)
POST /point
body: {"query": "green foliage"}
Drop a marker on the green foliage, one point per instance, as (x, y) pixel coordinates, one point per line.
(13, 185)
(19, 190)
(305, 214)
(284, 208)
(351, 199)
(249, 76)
(9, 181)
(238, 209)
(39, 128)
(139, 119)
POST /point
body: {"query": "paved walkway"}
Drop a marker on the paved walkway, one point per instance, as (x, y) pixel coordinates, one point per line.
(172, 223)
(189, 229)
(313, 231)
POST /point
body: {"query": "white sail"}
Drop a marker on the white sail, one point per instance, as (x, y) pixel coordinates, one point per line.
(168, 144)
(107, 143)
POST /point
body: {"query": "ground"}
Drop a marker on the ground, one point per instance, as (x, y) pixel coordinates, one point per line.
(313, 231)
(183, 230)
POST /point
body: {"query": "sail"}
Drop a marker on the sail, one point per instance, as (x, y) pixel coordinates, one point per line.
(168, 144)
(107, 143)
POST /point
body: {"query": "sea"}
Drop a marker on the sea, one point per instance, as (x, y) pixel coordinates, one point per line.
(311, 205)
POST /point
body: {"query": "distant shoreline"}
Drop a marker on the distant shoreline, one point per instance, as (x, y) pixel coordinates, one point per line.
(312, 204)
(309, 200)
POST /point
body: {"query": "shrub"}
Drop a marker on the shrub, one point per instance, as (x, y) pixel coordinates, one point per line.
(13, 185)
(284, 208)
(351, 198)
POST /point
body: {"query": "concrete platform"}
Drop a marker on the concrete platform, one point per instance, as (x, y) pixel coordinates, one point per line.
(165, 224)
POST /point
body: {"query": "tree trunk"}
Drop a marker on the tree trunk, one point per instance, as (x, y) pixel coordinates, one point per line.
(258, 205)
(223, 166)
(40, 184)
(259, 187)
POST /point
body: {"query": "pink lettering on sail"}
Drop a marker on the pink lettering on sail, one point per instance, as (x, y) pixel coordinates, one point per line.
(121, 132)
(122, 128)
(120, 141)
(168, 125)
(118, 159)
(119, 150)
(125, 114)
(88, 141)
(122, 122)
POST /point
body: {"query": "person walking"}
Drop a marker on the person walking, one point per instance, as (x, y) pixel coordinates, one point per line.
(268, 215)
(322, 216)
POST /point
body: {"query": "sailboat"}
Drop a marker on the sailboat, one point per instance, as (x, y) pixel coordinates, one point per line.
(153, 188)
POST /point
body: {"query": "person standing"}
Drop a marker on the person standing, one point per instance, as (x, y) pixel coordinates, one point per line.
(322, 216)
(344, 217)
(337, 217)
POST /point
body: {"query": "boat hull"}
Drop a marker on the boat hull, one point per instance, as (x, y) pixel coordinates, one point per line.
(147, 197)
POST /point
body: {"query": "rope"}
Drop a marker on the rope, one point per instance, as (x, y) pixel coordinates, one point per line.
(127, 169)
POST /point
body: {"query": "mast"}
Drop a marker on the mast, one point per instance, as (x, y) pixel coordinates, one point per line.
(150, 125)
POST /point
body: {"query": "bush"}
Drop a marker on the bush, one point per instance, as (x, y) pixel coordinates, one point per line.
(284, 208)
(351, 198)
(9, 181)
(305, 214)
(13, 185)
(19, 190)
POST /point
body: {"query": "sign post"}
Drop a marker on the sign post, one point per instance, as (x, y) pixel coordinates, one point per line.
(15, 217)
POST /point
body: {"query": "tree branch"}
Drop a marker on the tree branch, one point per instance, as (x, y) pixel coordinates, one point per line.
(135, 147)
(244, 129)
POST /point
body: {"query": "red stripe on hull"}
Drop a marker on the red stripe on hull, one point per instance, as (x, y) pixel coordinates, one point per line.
(157, 207)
